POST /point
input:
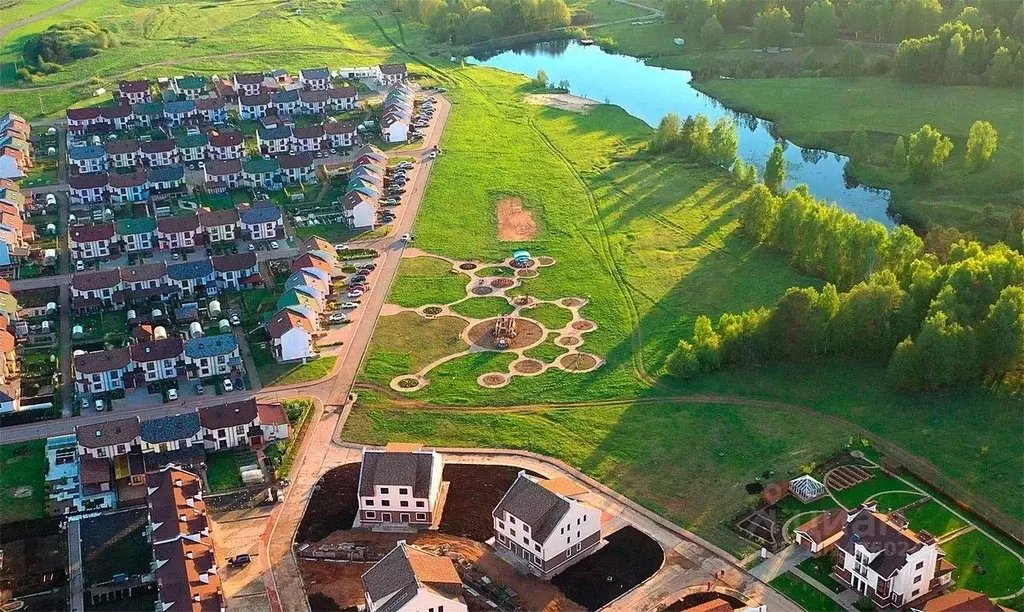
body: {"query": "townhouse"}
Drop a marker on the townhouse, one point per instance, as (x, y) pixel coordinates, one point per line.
(129, 187)
(177, 232)
(119, 118)
(261, 221)
(226, 145)
(122, 153)
(82, 120)
(88, 188)
(544, 525)
(216, 355)
(230, 425)
(408, 579)
(390, 75)
(285, 103)
(342, 98)
(212, 110)
(189, 87)
(92, 241)
(159, 152)
(145, 283)
(221, 175)
(309, 277)
(313, 102)
(394, 124)
(261, 173)
(193, 278)
(148, 114)
(108, 439)
(340, 134)
(316, 260)
(274, 141)
(180, 112)
(359, 210)
(173, 436)
(192, 147)
(253, 107)
(87, 158)
(166, 181)
(296, 168)
(101, 371)
(291, 335)
(133, 92)
(308, 139)
(156, 360)
(315, 79)
(399, 484)
(220, 225)
(248, 84)
(137, 235)
(273, 421)
(94, 291)
(307, 300)
(236, 271)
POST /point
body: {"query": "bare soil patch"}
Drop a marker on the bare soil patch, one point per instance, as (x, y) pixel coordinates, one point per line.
(583, 325)
(526, 273)
(528, 333)
(514, 223)
(432, 310)
(20, 492)
(502, 283)
(332, 506)
(529, 366)
(493, 380)
(544, 260)
(563, 101)
(333, 586)
(482, 291)
(629, 558)
(577, 361)
(572, 302)
(473, 492)
(695, 599)
(567, 341)
(467, 266)
(521, 300)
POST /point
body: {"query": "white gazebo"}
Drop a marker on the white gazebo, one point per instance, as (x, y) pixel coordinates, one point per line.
(806, 488)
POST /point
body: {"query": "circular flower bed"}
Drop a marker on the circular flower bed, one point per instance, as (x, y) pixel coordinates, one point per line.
(526, 273)
(467, 266)
(583, 325)
(546, 261)
(567, 341)
(576, 362)
(528, 366)
(502, 283)
(528, 333)
(481, 290)
(493, 380)
(432, 310)
(572, 302)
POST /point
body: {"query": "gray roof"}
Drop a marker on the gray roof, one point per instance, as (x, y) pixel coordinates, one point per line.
(260, 214)
(211, 346)
(86, 152)
(179, 107)
(534, 505)
(185, 270)
(290, 95)
(315, 73)
(879, 536)
(170, 428)
(381, 468)
(277, 133)
(163, 174)
(392, 574)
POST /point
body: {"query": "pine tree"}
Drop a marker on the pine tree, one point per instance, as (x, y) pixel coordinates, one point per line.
(775, 170)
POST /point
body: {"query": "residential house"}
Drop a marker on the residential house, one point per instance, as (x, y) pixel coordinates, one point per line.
(180, 112)
(408, 579)
(159, 153)
(189, 87)
(145, 283)
(220, 225)
(313, 102)
(309, 277)
(274, 141)
(399, 484)
(341, 98)
(881, 558)
(148, 114)
(248, 84)
(285, 103)
(109, 439)
(305, 298)
(195, 277)
(222, 175)
(192, 147)
(315, 79)
(101, 371)
(167, 180)
(317, 243)
(122, 153)
(316, 260)
(14, 160)
(308, 139)
(820, 534)
(88, 158)
(216, 355)
(340, 134)
(82, 120)
(253, 107)
(359, 210)
(137, 235)
(261, 221)
(130, 187)
(394, 125)
(92, 241)
(212, 110)
(119, 118)
(392, 74)
(226, 145)
(291, 335)
(230, 425)
(273, 421)
(94, 291)
(370, 154)
(544, 525)
(297, 168)
(261, 173)
(177, 232)
(174, 439)
(88, 188)
(236, 271)
(156, 360)
(134, 92)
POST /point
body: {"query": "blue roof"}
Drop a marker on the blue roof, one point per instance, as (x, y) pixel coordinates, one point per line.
(261, 214)
(211, 346)
(163, 174)
(186, 270)
(86, 152)
(181, 106)
(521, 254)
(169, 428)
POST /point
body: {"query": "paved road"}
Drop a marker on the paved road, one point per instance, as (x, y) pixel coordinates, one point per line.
(5, 30)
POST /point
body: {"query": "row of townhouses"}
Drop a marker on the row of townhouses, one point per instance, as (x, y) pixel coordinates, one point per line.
(365, 187)
(126, 187)
(10, 365)
(262, 221)
(14, 232)
(15, 150)
(282, 139)
(117, 154)
(396, 114)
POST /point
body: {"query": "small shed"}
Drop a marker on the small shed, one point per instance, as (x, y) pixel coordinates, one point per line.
(806, 488)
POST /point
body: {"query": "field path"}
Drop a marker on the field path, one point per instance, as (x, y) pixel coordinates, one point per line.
(34, 18)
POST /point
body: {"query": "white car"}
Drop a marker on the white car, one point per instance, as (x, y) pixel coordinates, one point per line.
(432, 155)
(406, 237)
(341, 247)
(274, 245)
(172, 394)
(350, 305)
(100, 405)
(355, 293)
(337, 318)
(228, 387)
(201, 165)
(79, 265)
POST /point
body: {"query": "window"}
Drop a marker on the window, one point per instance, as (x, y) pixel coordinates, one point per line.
(561, 531)
(403, 491)
(121, 448)
(919, 565)
(526, 539)
(513, 532)
(420, 503)
(385, 503)
(578, 521)
(240, 429)
(915, 593)
(369, 502)
(567, 540)
(384, 490)
(501, 525)
(526, 528)
(512, 519)
(101, 452)
(579, 546)
(584, 518)
(403, 504)
(370, 514)
(536, 547)
(421, 516)
(918, 578)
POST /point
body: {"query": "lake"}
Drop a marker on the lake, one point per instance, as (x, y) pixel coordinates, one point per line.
(649, 93)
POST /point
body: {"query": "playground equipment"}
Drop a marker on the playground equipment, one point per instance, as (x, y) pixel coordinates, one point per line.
(504, 330)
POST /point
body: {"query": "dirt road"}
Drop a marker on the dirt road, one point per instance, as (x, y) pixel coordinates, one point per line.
(34, 18)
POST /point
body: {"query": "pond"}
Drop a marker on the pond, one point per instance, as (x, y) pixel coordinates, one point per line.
(649, 93)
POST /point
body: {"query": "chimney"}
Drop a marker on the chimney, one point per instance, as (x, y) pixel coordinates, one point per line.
(899, 520)
(926, 538)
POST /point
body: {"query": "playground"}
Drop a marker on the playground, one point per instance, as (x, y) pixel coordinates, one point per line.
(497, 316)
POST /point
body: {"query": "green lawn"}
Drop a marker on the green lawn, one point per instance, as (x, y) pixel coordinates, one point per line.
(101, 325)
(934, 519)
(273, 374)
(427, 280)
(790, 506)
(546, 351)
(691, 467)
(983, 565)
(222, 472)
(22, 470)
(550, 316)
(823, 112)
(859, 493)
(887, 502)
(405, 343)
(340, 232)
(483, 307)
(820, 568)
(805, 595)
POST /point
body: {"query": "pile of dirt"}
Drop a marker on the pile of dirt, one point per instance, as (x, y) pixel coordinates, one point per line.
(695, 599)
(583, 325)
(514, 223)
(529, 366)
(629, 558)
(502, 283)
(577, 361)
(528, 333)
(332, 506)
(473, 492)
(482, 291)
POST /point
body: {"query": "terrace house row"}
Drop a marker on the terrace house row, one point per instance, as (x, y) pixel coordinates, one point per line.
(124, 117)
(15, 150)
(127, 187)
(91, 158)
(366, 182)
(308, 139)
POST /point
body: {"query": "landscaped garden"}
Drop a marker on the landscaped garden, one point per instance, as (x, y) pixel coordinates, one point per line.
(22, 491)
(808, 597)
(222, 471)
(273, 374)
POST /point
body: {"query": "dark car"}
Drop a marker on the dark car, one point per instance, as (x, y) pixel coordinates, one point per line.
(370, 266)
(358, 278)
(240, 560)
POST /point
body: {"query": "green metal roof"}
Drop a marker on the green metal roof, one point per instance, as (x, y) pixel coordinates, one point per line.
(136, 226)
(192, 141)
(260, 165)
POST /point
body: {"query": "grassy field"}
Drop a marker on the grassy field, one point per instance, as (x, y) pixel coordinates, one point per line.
(222, 473)
(22, 468)
(859, 493)
(887, 502)
(823, 112)
(549, 315)
(274, 374)
(427, 280)
(982, 565)
(406, 342)
(934, 519)
(820, 568)
(805, 595)
(483, 307)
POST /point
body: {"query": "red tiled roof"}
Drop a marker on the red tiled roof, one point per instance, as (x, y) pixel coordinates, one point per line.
(233, 263)
(102, 361)
(168, 348)
(82, 114)
(137, 86)
(158, 146)
(92, 233)
(225, 139)
(177, 225)
(272, 414)
(101, 279)
(134, 179)
(88, 181)
(285, 320)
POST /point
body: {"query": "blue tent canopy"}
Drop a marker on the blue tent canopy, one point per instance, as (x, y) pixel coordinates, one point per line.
(521, 255)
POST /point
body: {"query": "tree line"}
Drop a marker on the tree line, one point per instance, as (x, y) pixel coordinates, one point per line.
(938, 319)
(696, 140)
(470, 21)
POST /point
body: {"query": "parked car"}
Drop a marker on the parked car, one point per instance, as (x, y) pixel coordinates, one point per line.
(350, 305)
(354, 293)
(337, 318)
(176, 256)
(391, 202)
(358, 286)
(209, 252)
(240, 560)
(100, 405)
(274, 245)
(235, 320)
(84, 402)
(358, 278)
(340, 247)
(252, 247)
(364, 271)
(369, 266)
(172, 394)
(199, 388)
(406, 238)
(228, 387)
(432, 155)
(79, 265)
(405, 165)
